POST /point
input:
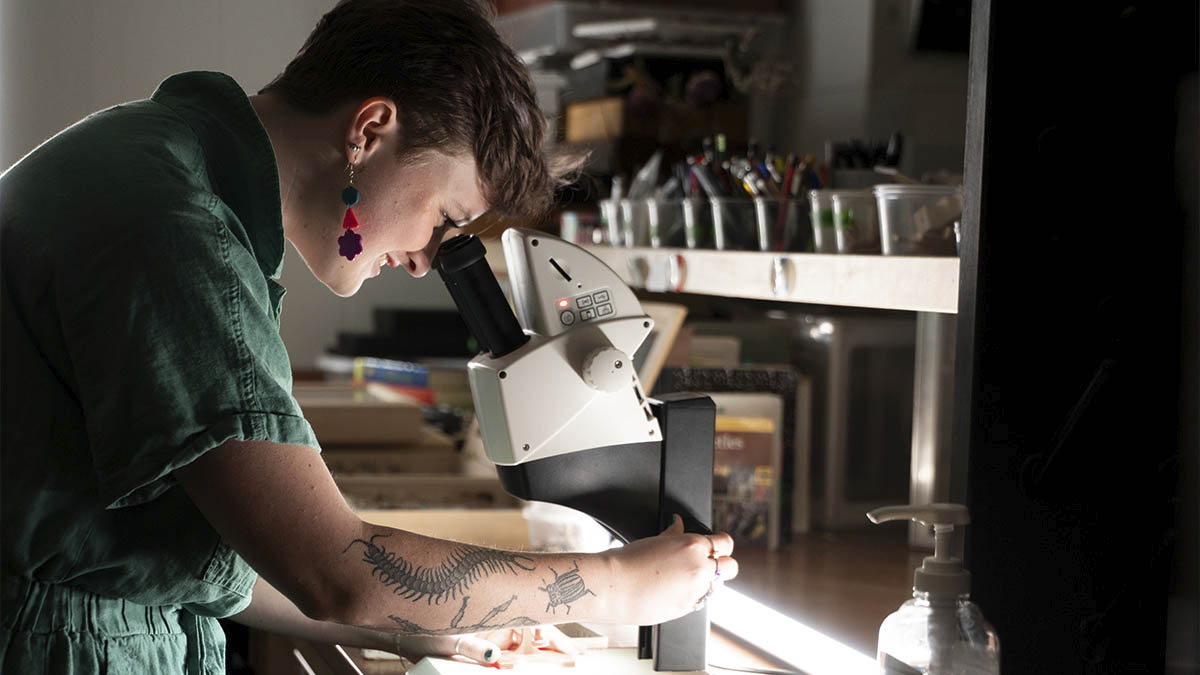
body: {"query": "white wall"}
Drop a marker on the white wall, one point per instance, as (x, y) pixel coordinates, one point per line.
(855, 76)
(924, 95)
(63, 59)
(831, 45)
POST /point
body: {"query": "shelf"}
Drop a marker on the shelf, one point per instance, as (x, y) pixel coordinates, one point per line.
(923, 284)
(565, 29)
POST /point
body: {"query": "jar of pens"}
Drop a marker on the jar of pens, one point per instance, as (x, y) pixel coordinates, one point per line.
(747, 202)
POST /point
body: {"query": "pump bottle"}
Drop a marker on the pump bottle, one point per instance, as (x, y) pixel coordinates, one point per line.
(940, 631)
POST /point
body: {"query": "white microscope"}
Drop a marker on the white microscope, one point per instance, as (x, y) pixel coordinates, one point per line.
(561, 410)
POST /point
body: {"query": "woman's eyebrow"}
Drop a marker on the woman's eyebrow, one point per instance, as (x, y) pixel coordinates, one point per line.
(464, 221)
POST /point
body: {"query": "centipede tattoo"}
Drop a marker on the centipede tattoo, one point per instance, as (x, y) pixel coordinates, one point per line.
(464, 566)
(565, 589)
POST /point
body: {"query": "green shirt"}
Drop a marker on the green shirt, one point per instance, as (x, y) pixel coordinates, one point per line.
(140, 329)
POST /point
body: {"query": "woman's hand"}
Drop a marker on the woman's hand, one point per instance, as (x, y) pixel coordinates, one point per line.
(538, 637)
(470, 647)
(483, 647)
(669, 575)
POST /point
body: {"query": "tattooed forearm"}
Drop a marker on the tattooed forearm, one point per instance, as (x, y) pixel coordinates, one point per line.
(565, 589)
(456, 626)
(435, 584)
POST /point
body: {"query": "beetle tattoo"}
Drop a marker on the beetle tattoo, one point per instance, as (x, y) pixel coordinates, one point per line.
(436, 584)
(565, 589)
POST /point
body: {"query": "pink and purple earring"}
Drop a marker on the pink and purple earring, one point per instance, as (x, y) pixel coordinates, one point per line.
(350, 243)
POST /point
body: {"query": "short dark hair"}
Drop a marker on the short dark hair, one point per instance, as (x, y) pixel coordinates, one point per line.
(459, 89)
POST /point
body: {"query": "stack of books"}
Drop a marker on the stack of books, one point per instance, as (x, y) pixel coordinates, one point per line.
(383, 454)
(441, 382)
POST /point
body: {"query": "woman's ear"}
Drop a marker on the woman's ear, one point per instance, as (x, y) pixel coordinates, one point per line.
(376, 124)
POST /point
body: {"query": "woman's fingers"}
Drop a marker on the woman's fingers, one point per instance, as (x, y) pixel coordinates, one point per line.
(555, 639)
(722, 544)
(672, 573)
(476, 649)
(725, 568)
(540, 637)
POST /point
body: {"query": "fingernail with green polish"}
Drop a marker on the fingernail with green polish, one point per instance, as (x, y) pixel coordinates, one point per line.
(487, 656)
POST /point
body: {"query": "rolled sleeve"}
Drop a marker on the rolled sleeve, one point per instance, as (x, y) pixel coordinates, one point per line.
(178, 351)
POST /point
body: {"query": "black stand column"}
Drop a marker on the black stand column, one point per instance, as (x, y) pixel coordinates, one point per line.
(686, 480)
(634, 490)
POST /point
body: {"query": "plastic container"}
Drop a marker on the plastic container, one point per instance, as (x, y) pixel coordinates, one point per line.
(697, 223)
(940, 631)
(758, 224)
(724, 224)
(557, 528)
(933, 636)
(610, 222)
(635, 222)
(856, 222)
(665, 223)
(918, 219)
(642, 222)
(821, 207)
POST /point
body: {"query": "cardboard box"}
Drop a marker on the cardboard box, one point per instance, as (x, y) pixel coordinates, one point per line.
(606, 119)
(432, 452)
(506, 6)
(408, 491)
(345, 414)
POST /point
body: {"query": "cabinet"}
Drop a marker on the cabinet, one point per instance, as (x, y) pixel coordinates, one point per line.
(1063, 444)
(819, 579)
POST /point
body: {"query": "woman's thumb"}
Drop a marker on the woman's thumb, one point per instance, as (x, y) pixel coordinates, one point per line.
(676, 526)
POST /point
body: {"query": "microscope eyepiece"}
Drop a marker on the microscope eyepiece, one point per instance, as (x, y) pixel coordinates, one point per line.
(462, 264)
(458, 252)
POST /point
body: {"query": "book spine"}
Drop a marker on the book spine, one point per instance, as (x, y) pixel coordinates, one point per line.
(391, 372)
(419, 395)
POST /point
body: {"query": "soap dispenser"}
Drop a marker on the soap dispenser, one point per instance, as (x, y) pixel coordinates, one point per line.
(940, 631)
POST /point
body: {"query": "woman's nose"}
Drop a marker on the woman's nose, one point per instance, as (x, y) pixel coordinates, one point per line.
(419, 263)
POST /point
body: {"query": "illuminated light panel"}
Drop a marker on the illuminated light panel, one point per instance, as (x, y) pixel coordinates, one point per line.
(785, 638)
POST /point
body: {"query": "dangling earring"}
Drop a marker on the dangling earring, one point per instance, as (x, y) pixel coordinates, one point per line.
(350, 243)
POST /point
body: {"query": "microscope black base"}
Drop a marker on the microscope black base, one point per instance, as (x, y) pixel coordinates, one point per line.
(634, 491)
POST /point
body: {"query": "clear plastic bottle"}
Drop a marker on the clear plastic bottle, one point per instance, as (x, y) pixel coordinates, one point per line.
(940, 631)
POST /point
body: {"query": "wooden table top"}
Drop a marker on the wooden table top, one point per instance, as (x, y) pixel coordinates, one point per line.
(841, 583)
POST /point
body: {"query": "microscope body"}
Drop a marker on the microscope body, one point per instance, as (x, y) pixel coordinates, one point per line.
(563, 414)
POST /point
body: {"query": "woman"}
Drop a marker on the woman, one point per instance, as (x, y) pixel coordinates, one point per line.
(157, 472)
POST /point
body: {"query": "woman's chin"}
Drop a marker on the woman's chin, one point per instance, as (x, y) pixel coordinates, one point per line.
(346, 286)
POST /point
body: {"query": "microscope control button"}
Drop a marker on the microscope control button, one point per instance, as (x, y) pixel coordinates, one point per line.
(604, 310)
(587, 314)
(600, 296)
(567, 317)
(583, 301)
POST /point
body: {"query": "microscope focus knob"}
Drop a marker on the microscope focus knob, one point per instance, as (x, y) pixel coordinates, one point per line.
(607, 369)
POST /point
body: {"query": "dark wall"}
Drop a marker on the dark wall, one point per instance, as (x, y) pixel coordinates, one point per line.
(1067, 443)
